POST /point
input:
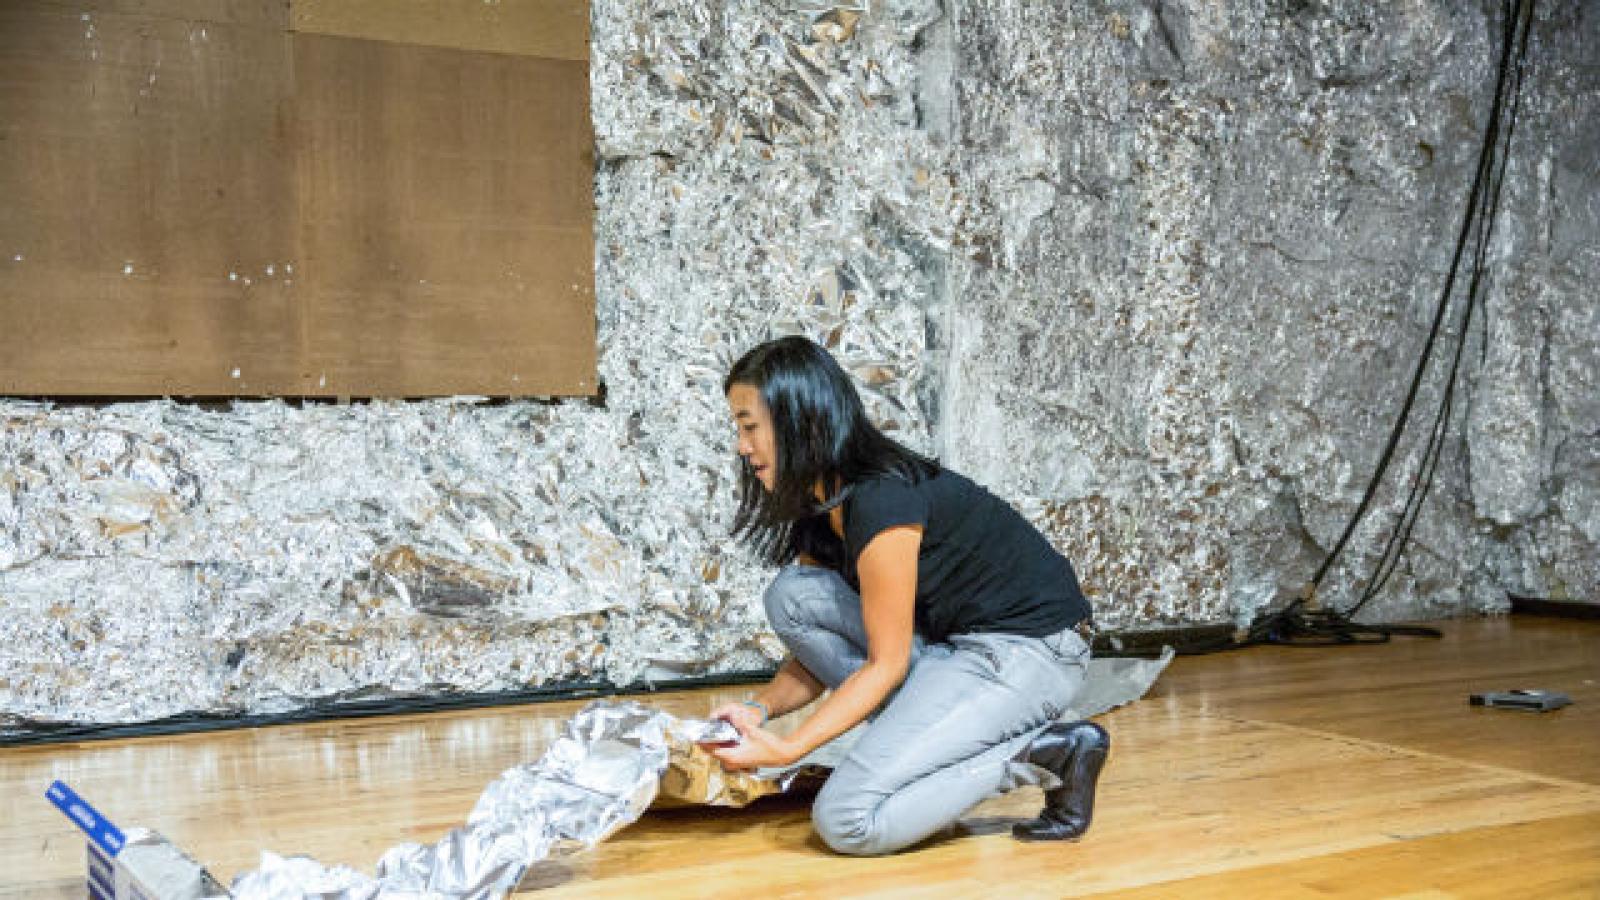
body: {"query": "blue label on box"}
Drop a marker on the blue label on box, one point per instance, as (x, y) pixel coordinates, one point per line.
(99, 829)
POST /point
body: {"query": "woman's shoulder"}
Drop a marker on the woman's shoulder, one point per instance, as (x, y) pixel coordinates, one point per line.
(895, 495)
(941, 494)
(897, 481)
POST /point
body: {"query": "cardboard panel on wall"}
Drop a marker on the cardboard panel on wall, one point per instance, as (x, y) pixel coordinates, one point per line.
(222, 206)
(146, 188)
(553, 29)
(446, 206)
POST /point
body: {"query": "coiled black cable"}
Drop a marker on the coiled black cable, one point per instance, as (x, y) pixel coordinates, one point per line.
(1301, 623)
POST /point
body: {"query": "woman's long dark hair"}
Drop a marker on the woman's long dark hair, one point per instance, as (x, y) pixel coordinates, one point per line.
(820, 434)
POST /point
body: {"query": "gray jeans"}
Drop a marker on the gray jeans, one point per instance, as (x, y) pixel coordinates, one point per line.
(946, 739)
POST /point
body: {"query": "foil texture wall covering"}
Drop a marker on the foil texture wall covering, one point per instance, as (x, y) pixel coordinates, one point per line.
(1207, 241)
(1153, 270)
(157, 558)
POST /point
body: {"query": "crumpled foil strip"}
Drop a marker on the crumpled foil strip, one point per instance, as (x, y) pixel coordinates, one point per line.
(603, 773)
(616, 759)
(1115, 681)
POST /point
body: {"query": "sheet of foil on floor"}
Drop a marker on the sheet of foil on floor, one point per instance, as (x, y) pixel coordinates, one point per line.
(615, 760)
(603, 773)
(1112, 682)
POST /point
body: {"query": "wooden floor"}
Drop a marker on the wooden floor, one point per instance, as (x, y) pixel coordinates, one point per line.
(1351, 772)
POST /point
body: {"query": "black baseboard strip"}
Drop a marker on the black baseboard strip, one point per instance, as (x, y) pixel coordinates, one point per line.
(1149, 643)
(1127, 644)
(62, 733)
(1566, 609)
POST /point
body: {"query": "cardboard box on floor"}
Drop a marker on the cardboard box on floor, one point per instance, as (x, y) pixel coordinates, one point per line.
(138, 865)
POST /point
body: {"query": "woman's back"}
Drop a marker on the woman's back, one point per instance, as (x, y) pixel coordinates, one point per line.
(981, 568)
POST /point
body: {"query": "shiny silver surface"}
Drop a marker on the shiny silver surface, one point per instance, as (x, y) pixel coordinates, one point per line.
(615, 760)
(1155, 273)
(597, 777)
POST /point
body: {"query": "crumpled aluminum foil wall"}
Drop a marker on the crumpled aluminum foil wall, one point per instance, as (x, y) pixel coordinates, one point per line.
(157, 558)
(1152, 271)
(166, 558)
(1210, 238)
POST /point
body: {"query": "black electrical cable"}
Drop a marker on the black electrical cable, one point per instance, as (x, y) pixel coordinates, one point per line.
(1297, 624)
(1390, 558)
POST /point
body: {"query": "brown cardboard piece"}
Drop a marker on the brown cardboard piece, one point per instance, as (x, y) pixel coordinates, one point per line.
(553, 29)
(446, 211)
(222, 206)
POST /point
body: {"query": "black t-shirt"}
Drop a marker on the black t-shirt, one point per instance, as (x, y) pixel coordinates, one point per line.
(981, 567)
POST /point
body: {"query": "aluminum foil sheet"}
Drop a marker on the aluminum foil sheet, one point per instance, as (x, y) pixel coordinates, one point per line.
(1207, 240)
(614, 759)
(1113, 682)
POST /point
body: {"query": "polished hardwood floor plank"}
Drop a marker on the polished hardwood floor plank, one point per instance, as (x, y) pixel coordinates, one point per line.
(1552, 858)
(1184, 796)
(1348, 772)
(1412, 692)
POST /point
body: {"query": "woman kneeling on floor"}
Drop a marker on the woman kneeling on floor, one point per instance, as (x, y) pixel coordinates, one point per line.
(928, 606)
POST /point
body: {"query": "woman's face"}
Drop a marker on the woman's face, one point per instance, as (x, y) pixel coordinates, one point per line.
(754, 423)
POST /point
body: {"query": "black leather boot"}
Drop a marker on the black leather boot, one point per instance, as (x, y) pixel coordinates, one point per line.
(1075, 752)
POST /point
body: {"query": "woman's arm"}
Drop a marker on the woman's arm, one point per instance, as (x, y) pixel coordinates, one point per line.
(791, 688)
(887, 569)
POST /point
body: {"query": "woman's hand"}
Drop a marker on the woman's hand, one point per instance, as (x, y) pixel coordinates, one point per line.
(757, 748)
(742, 715)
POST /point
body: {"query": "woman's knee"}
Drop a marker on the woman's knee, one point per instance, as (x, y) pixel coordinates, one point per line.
(790, 595)
(849, 827)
